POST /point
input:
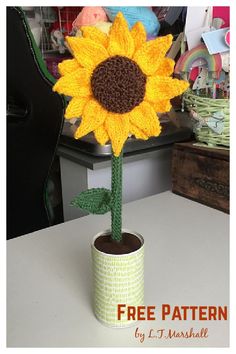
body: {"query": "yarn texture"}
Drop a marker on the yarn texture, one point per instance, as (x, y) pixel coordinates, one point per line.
(116, 198)
(118, 82)
(94, 200)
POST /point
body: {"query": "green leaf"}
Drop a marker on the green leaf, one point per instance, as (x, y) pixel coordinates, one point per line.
(94, 200)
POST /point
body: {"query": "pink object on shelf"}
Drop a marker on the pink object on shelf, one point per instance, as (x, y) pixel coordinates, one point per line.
(90, 15)
(194, 74)
(222, 12)
(227, 38)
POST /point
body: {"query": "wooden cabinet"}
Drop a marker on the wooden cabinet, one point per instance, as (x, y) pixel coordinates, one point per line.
(201, 174)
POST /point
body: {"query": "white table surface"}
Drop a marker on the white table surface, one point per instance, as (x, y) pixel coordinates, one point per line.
(186, 263)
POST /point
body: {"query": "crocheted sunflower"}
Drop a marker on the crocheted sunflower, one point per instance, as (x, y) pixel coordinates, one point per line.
(118, 82)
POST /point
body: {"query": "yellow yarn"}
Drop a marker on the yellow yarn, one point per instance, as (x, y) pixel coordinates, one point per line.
(144, 117)
(76, 107)
(94, 48)
(87, 52)
(101, 134)
(95, 34)
(93, 116)
(120, 39)
(161, 106)
(117, 127)
(102, 26)
(137, 132)
(76, 83)
(148, 57)
(165, 67)
(154, 88)
(139, 34)
(67, 66)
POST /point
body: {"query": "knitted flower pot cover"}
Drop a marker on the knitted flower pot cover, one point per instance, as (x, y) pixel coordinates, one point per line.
(117, 279)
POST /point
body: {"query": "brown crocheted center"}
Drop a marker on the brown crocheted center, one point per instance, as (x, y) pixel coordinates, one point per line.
(118, 84)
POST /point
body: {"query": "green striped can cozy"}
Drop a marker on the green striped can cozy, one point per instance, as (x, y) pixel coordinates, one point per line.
(117, 279)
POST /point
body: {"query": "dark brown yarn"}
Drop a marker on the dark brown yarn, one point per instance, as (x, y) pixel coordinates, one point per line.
(129, 243)
(118, 84)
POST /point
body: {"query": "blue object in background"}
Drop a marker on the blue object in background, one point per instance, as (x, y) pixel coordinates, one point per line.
(134, 14)
(215, 41)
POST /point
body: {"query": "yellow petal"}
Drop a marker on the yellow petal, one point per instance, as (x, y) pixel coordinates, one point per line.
(101, 135)
(166, 67)
(68, 66)
(161, 106)
(76, 83)
(88, 53)
(117, 127)
(95, 34)
(137, 132)
(139, 34)
(120, 39)
(151, 52)
(145, 118)
(164, 88)
(93, 116)
(75, 107)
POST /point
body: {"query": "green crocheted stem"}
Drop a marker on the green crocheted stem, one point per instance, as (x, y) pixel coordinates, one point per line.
(116, 198)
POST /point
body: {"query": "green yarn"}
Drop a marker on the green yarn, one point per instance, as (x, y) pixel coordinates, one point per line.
(94, 200)
(205, 107)
(102, 200)
(116, 198)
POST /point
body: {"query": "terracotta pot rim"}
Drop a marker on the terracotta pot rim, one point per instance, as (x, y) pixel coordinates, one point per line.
(105, 232)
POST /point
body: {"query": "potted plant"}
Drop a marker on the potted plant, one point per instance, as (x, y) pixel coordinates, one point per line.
(118, 83)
